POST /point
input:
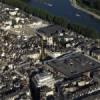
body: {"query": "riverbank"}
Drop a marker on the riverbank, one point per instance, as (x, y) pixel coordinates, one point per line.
(45, 15)
(75, 5)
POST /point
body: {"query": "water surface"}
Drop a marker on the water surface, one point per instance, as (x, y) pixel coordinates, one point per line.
(64, 8)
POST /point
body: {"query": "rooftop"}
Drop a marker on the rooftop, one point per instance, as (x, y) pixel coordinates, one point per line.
(96, 51)
(73, 64)
(95, 96)
(50, 30)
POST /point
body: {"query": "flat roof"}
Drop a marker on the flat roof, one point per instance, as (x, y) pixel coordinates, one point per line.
(73, 64)
(50, 30)
(95, 96)
(97, 51)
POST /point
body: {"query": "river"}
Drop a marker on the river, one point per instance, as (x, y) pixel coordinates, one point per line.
(64, 8)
